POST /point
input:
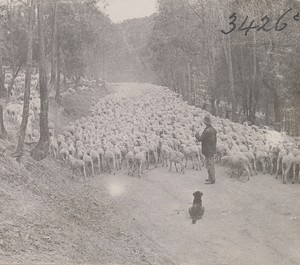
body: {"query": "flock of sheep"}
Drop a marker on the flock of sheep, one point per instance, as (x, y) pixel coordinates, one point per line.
(14, 108)
(141, 126)
(145, 125)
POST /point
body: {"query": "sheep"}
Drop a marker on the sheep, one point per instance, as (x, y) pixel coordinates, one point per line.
(80, 153)
(118, 157)
(63, 154)
(222, 150)
(281, 154)
(101, 152)
(139, 160)
(153, 153)
(136, 120)
(165, 150)
(241, 163)
(77, 164)
(63, 145)
(193, 152)
(71, 149)
(130, 162)
(96, 158)
(273, 157)
(53, 147)
(287, 163)
(88, 161)
(251, 159)
(60, 139)
(110, 160)
(296, 164)
(176, 157)
(261, 158)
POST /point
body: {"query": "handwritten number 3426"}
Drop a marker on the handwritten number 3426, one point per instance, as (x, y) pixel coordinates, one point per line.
(279, 26)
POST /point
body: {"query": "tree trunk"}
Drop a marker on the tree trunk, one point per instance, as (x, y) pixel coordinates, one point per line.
(15, 69)
(254, 89)
(189, 82)
(3, 133)
(277, 106)
(267, 111)
(57, 88)
(42, 148)
(173, 80)
(228, 55)
(25, 115)
(277, 109)
(54, 47)
(2, 88)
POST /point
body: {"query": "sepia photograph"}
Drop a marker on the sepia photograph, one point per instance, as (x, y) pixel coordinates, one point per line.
(150, 132)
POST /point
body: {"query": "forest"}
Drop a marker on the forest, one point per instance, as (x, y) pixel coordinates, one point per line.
(237, 59)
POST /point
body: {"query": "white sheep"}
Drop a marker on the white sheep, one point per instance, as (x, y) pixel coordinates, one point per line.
(287, 164)
(63, 154)
(77, 165)
(88, 161)
(139, 161)
(295, 166)
(239, 162)
(130, 162)
(176, 157)
(53, 147)
(96, 159)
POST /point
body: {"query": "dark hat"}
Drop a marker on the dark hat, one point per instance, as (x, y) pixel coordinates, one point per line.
(207, 120)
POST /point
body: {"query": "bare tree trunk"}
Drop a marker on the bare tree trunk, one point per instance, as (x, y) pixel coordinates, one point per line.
(42, 148)
(25, 115)
(2, 88)
(267, 109)
(13, 65)
(189, 82)
(3, 133)
(277, 106)
(54, 47)
(58, 72)
(228, 55)
(173, 80)
(255, 91)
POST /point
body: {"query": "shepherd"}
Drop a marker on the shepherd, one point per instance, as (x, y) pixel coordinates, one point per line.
(209, 146)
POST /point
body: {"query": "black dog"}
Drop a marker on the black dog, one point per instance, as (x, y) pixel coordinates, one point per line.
(197, 210)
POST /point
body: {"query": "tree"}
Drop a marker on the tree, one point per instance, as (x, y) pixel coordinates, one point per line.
(25, 115)
(42, 148)
(54, 48)
(2, 88)
(3, 133)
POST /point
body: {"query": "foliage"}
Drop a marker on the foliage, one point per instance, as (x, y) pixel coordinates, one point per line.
(253, 72)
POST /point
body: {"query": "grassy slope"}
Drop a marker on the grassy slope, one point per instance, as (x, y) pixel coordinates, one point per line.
(46, 215)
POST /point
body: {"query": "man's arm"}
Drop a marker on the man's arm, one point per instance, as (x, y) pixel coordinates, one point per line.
(202, 137)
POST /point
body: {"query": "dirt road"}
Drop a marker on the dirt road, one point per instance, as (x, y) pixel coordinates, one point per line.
(255, 222)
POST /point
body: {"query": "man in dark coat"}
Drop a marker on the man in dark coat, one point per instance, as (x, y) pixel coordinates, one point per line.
(209, 146)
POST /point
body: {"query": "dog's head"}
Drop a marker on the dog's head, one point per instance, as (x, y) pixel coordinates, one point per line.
(197, 196)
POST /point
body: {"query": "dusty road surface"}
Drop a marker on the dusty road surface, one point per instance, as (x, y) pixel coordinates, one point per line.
(255, 222)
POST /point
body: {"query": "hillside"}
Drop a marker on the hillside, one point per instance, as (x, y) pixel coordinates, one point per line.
(48, 216)
(127, 59)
